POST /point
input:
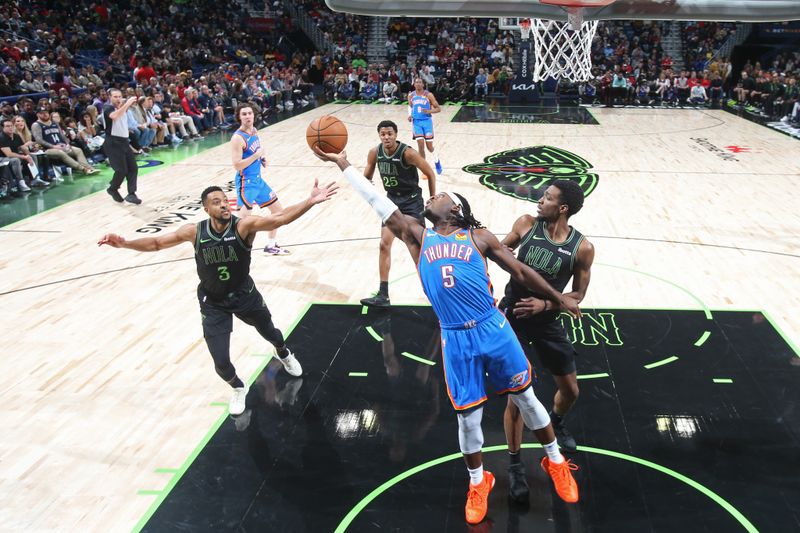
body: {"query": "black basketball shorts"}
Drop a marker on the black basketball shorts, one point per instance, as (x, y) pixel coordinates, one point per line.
(246, 303)
(548, 338)
(411, 204)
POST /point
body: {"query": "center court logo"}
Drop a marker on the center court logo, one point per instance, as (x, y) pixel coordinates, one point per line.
(525, 173)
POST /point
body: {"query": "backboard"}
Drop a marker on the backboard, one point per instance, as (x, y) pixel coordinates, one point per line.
(711, 10)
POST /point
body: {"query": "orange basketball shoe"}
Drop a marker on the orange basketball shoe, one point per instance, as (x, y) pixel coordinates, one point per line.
(478, 498)
(561, 474)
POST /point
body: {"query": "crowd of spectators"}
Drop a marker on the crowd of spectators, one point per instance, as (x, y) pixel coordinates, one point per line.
(190, 64)
(771, 90)
(469, 59)
(188, 70)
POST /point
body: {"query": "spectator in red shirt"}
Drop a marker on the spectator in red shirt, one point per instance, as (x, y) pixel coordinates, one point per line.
(144, 72)
(191, 109)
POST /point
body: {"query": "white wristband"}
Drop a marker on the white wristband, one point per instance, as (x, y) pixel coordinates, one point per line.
(381, 204)
(409, 111)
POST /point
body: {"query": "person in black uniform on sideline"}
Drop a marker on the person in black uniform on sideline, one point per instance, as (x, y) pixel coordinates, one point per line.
(558, 252)
(397, 165)
(222, 247)
(117, 147)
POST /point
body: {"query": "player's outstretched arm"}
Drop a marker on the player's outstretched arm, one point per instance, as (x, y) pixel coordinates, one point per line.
(253, 224)
(521, 272)
(407, 229)
(412, 157)
(185, 233)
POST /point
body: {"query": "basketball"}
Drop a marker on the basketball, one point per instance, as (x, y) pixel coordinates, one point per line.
(327, 132)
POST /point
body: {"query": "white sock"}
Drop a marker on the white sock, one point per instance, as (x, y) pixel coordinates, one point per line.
(475, 475)
(435, 157)
(552, 453)
(271, 243)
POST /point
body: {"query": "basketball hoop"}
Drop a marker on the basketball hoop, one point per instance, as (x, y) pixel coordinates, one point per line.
(563, 49)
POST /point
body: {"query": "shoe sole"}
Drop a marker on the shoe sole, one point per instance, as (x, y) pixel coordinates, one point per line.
(376, 306)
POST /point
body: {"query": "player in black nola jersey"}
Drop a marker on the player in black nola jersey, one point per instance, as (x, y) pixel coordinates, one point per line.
(222, 248)
(397, 165)
(558, 252)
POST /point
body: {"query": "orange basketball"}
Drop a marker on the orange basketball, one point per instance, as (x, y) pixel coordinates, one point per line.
(327, 132)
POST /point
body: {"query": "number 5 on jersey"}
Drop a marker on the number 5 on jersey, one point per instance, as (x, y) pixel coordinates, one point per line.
(447, 277)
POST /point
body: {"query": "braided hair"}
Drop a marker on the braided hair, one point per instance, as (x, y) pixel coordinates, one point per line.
(466, 219)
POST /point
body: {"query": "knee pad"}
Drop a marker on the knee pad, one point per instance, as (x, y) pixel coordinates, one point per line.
(533, 412)
(470, 434)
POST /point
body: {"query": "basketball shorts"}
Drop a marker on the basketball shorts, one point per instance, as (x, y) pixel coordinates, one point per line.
(245, 302)
(254, 191)
(546, 335)
(487, 348)
(422, 129)
(409, 204)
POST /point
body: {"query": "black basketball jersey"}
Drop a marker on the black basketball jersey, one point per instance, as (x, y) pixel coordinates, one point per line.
(553, 261)
(51, 133)
(398, 178)
(223, 261)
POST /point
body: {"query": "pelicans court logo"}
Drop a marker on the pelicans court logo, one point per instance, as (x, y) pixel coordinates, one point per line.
(525, 173)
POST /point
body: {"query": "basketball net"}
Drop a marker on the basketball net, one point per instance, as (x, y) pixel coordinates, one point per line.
(562, 49)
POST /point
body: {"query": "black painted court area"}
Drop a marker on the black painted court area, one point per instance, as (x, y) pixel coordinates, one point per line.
(549, 112)
(308, 450)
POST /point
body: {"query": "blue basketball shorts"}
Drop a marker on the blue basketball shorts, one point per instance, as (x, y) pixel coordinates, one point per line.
(253, 191)
(489, 348)
(422, 129)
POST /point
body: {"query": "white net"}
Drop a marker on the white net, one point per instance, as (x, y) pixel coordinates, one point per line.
(563, 49)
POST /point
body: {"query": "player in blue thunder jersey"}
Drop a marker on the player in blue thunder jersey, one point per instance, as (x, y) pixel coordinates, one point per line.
(248, 158)
(476, 338)
(421, 105)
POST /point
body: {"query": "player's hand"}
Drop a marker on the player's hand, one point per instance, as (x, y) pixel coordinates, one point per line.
(259, 153)
(332, 158)
(410, 119)
(570, 305)
(426, 111)
(527, 307)
(324, 193)
(263, 161)
(111, 239)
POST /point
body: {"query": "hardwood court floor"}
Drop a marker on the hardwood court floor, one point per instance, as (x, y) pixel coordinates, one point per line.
(106, 383)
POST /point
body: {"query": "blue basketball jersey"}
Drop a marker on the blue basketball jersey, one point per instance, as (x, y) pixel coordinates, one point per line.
(418, 103)
(252, 144)
(454, 278)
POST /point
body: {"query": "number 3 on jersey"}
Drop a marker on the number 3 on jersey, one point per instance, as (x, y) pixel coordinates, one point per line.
(447, 277)
(224, 275)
